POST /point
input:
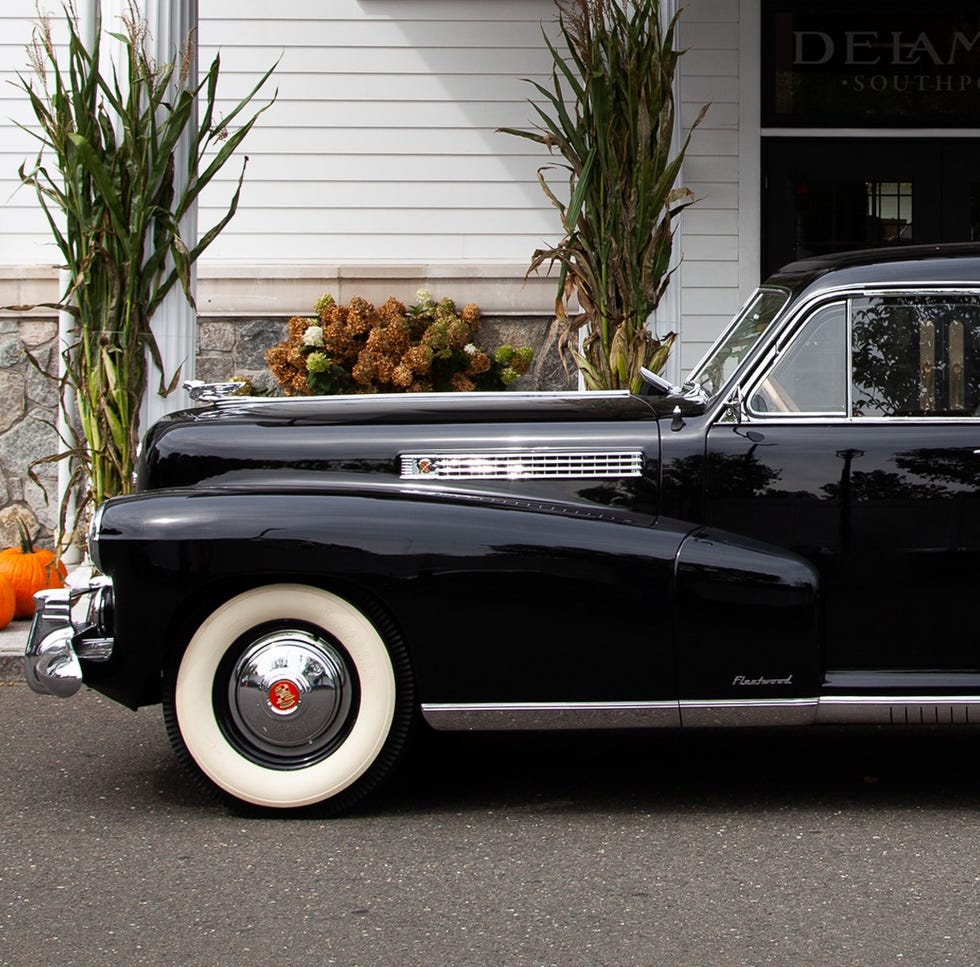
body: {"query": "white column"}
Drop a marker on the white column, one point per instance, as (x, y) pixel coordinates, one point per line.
(667, 316)
(66, 337)
(170, 23)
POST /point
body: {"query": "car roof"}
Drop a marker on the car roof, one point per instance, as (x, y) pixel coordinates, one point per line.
(940, 264)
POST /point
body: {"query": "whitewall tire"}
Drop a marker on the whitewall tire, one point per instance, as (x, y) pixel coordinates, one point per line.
(287, 696)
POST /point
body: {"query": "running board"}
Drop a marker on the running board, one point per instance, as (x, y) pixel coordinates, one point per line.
(722, 713)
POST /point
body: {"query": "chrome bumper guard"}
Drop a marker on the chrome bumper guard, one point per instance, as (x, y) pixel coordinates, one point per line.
(69, 624)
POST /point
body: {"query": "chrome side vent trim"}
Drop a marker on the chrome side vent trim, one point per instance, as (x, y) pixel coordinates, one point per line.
(521, 464)
(899, 710)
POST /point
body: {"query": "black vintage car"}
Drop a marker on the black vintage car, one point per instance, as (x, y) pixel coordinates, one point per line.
(791, 537)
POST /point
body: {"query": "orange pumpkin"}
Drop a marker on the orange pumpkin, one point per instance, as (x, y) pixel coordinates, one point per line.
(7, 601)
(29, 569)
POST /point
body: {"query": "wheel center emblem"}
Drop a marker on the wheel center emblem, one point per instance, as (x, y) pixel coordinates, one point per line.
(283, 696)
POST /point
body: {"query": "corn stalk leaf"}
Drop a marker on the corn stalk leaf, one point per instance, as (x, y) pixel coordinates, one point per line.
(609, 113)
(106, 182)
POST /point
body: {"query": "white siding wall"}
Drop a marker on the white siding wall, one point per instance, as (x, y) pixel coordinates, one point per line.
(709, 30)
(382, 146)
(24, 237)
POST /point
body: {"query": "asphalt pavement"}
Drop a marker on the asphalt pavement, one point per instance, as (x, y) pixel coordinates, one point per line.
(827, 848)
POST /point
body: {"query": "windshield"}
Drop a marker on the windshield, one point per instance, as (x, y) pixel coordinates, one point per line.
(717, 368)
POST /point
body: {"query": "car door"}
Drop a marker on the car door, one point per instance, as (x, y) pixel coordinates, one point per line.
(858, 446)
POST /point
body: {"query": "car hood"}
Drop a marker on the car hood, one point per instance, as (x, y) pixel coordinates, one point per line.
(237, 441)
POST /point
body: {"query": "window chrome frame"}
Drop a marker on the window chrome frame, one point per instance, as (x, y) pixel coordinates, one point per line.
(758, 368)
(793, 332)
(775, 326)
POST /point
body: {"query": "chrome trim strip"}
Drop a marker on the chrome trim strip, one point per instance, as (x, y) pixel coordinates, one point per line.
(748, 712)
(528, 716)
(752, 368)
(899, 710)
(521, 464)
(817, 419)
(364, 399)
(719, 713)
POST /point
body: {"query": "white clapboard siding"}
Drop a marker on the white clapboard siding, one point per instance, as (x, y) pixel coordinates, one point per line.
(383, 143)
(24, 236)
(709, 71)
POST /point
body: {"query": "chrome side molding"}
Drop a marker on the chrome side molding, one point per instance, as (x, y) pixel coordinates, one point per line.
(722, 713)
(533, 716)
(748, 713)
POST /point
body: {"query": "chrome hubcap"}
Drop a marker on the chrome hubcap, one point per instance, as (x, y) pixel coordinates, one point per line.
(290, 694)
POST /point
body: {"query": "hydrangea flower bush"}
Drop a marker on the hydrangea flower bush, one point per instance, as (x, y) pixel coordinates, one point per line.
(357, 348)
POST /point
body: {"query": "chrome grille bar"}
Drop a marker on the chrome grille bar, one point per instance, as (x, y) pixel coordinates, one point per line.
(521, 464)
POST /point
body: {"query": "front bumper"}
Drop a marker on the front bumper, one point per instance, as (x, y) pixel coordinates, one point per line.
(70, 625)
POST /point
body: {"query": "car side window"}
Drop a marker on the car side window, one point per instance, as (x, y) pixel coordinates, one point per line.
(915, 356)
(809, 376)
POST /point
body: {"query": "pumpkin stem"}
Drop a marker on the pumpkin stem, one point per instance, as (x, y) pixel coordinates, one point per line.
(26, 544)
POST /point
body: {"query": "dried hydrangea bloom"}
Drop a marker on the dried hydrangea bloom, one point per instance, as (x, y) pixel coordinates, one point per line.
(297, 326)
(521, 360)
(418, 359)
(334, 316)
(479, 363)
(436, 337)
(458, 332)
(387, 340)
(279, 360)
(402, 376)
(338, 341)
(357, 325)
(461, 383)
(384, 368)
(362, 372)
(361, 317)
(388, 349)
(392, 311)
(276, 355)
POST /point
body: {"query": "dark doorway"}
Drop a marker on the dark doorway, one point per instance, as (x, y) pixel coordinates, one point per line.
(825, 195)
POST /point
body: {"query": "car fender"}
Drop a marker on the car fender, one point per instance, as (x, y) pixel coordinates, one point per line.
(497, 598)
(750, 620)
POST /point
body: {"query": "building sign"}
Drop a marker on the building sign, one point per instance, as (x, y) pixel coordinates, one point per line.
(852, 64)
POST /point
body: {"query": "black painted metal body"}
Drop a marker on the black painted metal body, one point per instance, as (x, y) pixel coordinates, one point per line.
(746, 559)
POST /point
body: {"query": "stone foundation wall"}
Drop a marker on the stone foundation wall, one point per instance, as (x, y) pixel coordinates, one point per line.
(226, 348)
(28, 410)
